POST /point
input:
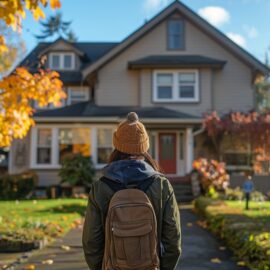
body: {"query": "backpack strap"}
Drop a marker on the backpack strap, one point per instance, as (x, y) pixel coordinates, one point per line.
(116, 186)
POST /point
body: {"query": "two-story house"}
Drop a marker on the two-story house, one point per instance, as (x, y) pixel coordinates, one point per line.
(170, 71)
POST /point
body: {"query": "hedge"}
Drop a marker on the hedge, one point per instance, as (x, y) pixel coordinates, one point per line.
(247, 237)
(17, 186)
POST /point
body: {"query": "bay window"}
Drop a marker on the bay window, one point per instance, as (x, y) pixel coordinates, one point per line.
(104, 145)
(74, 141)
(44, 146)
(176, 86)
(50, 145)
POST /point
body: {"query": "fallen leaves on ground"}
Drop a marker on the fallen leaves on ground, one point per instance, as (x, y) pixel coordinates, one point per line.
(215, 260)
(222, 248)
(66, 248)
(241, 263)
(30, 267)
(202, 224)
(49, 262)
(189, 224)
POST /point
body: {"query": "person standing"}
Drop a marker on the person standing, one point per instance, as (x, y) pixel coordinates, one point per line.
(132, 219)
(248, 187)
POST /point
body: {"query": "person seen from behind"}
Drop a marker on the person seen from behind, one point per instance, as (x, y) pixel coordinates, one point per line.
(132, 218)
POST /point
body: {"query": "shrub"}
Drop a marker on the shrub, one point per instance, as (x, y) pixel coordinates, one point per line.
(247, 236)
(77, 170)
(237, 194)
(17, 186)
(212, 174)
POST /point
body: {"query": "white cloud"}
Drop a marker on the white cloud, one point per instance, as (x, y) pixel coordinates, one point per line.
(215, 15)
(238, 39)
(251, 31)
(150, 6)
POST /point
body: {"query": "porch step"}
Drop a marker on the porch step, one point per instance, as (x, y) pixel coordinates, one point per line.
(183, 191)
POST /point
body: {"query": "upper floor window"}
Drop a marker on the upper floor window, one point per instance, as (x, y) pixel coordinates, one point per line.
(62, 61)
(77, 94)
(176, 86)
(176, 34)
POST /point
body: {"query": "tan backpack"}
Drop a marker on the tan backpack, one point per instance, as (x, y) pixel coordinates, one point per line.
(130, 232)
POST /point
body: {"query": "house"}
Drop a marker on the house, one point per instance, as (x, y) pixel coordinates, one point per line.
(170, 71)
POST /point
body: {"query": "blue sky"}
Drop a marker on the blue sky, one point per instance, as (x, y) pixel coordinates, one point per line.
(247, 22)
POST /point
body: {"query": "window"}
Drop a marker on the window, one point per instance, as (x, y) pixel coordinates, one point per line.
(62, 61)
(175, 34)
(44, 141)
(176, 86)
(236, 152)
(164, 86)
(104, 147)
(78, 94)
(74, 141)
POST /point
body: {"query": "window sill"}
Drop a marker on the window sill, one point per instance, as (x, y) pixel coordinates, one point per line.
(176, 101)
(44, 166)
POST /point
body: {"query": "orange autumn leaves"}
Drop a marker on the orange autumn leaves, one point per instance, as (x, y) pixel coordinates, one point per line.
(21, 89)
(18, 92)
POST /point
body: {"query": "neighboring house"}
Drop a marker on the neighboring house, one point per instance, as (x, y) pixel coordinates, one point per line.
(170, 71)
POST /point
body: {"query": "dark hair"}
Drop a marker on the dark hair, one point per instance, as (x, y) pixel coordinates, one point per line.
(117, 155)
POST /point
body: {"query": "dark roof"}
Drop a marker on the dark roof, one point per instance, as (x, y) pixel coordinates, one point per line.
(91, 51)
(176, 61)
(88, 109)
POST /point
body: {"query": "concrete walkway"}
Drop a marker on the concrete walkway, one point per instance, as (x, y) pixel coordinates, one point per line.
(199, 248)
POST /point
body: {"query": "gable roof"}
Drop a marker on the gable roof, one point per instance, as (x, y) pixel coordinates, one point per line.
(90, 52)
(202, 24)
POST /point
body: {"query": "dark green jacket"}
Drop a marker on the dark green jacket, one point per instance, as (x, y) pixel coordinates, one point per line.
(161, 196)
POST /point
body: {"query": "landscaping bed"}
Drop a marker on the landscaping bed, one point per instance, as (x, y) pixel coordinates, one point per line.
(247, 233)
(26, 225)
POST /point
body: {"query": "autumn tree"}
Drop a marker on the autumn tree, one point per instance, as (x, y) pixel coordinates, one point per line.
(252, 128)
(21, 88)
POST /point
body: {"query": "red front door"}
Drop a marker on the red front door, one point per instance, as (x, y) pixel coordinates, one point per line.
(167, 152)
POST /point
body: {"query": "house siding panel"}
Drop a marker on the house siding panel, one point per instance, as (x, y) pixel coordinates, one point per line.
(232, 89)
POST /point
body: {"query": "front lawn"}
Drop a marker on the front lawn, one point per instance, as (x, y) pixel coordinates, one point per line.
(247, 233)
(23, 223)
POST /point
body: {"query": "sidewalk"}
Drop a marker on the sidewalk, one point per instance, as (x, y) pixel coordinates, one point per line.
(199, 247)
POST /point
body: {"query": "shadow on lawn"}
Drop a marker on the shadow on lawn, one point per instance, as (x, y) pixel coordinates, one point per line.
(67, 208)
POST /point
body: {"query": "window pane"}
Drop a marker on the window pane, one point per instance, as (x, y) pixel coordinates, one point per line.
(175, 27)
(43, 155)
(74, 141)
(164, 92)
(56, 61)
(78, 95)
(187, 77)
(44, 137)
(104, 145)
(176, 34)
(104, 137)
(186, 91)
(164, 79)
(175, 42)
(67, 61)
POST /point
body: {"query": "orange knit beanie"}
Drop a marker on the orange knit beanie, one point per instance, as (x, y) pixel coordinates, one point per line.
(131, 136)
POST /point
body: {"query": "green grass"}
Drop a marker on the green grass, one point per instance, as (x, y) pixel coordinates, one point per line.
(38, 218)
(246, 232)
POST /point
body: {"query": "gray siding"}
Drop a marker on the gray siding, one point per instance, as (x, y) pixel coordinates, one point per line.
(231, 87)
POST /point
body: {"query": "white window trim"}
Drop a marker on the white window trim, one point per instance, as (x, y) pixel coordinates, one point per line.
(175, 85)
(85, 88)
(55, 146)
(61, 55)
